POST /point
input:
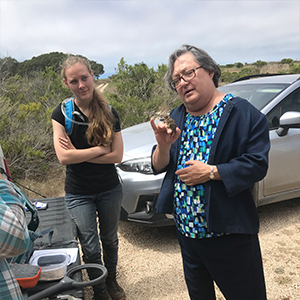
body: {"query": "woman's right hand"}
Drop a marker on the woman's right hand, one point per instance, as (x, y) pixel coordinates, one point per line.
(164, 138)
(65, 142)
(163, 134)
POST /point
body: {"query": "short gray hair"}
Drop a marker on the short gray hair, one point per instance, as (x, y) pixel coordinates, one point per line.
(202, 57)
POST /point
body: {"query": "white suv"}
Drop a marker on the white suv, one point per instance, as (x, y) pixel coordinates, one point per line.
(278, 97)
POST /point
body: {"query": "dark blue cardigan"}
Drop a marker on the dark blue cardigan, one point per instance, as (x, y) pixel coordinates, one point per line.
(240, 151)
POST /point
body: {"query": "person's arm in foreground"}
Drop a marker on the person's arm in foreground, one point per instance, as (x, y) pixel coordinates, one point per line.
(14, 237)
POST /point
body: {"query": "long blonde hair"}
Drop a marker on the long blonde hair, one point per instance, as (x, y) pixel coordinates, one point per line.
(101, 128)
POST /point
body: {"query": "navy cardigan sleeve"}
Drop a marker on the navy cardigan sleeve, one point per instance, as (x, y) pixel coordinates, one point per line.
(241, 146)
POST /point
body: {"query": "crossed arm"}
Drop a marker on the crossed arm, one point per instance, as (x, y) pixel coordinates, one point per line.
(68, 154)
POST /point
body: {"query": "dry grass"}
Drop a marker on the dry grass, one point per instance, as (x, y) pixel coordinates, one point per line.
(52, 186)
(270, 68)
(280, 244)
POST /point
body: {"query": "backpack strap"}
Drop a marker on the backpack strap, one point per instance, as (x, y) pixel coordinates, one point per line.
(68, 108)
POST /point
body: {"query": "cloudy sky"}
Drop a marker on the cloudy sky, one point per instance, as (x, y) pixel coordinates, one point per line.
(149, 31)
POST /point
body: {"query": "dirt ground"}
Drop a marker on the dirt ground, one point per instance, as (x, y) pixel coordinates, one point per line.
(150, 263)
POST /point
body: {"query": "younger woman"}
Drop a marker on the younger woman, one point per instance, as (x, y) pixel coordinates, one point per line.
(92, 186)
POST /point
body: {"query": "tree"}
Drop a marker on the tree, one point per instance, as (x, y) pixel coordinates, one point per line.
(8, 67)
(260, 63)
(134, 81)
(295, 69)
(97, 68)
(239, 65)
(139, 92)
(41, 62)
(25, 121)
(54, 60)
(288, 61)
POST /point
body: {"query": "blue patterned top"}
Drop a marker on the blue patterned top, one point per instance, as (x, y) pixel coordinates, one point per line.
(197, 136)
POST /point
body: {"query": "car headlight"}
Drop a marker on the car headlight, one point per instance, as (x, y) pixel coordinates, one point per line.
(141, 165)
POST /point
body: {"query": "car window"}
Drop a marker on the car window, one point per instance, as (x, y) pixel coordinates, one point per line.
(257, 94)
(290, 103)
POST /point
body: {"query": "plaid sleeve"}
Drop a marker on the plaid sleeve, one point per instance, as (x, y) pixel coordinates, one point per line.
(14, 236)
(9, 287)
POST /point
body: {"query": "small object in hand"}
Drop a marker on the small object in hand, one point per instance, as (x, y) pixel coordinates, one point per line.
(171, 123)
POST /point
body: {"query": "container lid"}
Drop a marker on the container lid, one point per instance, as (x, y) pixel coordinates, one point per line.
(50, 259)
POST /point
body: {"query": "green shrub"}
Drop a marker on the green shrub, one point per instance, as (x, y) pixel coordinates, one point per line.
(295, 69)
(288, 61)
(239, 65)
(260, 63)
(25, 125)
(139, 93)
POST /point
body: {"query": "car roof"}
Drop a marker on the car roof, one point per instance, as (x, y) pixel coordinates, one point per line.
(268, 78)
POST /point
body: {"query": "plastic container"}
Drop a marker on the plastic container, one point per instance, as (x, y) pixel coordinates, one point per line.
(26, 275)
(53, 263)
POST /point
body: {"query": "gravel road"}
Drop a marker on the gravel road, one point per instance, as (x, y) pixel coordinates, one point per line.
(150, 262)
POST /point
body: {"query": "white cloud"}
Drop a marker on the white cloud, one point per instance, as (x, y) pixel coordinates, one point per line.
(149, 31)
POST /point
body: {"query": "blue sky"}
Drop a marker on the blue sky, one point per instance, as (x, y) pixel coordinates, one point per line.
(149, 31)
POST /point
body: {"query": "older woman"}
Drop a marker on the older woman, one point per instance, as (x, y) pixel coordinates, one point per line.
(212, 160)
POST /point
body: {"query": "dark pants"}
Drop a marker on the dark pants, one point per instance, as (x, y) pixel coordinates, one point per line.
(86, 210)
(232, 261)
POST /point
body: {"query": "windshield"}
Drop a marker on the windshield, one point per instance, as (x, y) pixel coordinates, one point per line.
(257, 94)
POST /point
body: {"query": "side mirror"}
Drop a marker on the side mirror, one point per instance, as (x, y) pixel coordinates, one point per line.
(290, 119)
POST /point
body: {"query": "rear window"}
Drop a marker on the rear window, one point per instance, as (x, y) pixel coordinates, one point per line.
(257, 94)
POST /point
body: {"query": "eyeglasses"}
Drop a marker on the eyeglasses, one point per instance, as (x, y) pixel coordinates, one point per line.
(187, 76)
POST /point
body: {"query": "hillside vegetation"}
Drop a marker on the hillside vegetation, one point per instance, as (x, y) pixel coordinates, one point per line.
(29, 92)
